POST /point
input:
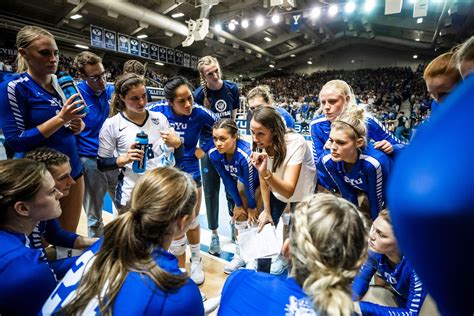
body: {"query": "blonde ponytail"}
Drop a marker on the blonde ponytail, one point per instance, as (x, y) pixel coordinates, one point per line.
(328, 246)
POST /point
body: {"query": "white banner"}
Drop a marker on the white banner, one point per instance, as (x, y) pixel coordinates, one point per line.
(420, 8)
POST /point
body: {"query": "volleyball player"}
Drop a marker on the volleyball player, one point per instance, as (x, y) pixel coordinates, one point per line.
(189, 120)
(130, 271)
(222, 98)
(230, 155)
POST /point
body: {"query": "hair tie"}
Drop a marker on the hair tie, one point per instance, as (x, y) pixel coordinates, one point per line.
(357, 133)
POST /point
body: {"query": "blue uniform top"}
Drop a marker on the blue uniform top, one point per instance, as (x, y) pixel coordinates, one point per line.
(403, 280)
(189, 129)
(431, 202)
(289, 120)
(247, 292)
(53, 234)
(99, 106)
(369, 174)
(23, 106)
(139, 295)
(320, 128)
(239, 167)
(26, 280)
(222, 101)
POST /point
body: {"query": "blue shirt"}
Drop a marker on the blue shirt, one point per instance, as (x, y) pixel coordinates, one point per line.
(139, 295)
(26, 280)
(222, 101)
(23, 106)
(189, 128)
(239, 167)
(99, 106)
(409, 290)
(320, 128)
(289, 120)
(247, 292)
(369, 174)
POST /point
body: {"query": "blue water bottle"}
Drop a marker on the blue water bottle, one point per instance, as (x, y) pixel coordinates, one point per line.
(69, 88)
(142, 144)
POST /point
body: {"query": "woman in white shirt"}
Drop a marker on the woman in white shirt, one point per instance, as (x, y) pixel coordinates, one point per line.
(285, 166)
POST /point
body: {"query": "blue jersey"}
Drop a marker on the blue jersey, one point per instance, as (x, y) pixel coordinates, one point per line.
(289, 120)
(247, 292)
(240, 168)
(26, 280)
(222, 101)
(139, 295)
(23, 106)
(189, 128)
(88, 139)
(409, 290)
(369, 174)
(52, 232)
(320, 128)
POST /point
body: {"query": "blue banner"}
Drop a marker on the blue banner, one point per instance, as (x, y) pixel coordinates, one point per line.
(97, 36)
(123, 43)
(144, 49)
(178, 58)
(134, 47)
(296, 22)
(162, 54)
(154, 51)
(194, 62)
(187, 60)
(110, 40)
(170, 56)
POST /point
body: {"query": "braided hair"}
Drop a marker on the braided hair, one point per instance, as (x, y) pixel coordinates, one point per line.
(203, 62)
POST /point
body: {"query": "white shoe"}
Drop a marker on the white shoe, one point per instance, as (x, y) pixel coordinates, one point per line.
(234, 264)
(251, 265)
(280, 265)
(197, 275)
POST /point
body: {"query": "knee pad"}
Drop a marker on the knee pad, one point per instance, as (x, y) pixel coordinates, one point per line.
(285, 218)
(178, 246)
(194, 224)
(241, 225)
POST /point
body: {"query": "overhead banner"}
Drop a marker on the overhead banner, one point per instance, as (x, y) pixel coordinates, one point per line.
(134, 47)
(178, 58)
(144, 49)
(153, 51)
(162, 54)
(170, 56)
(194, 62)
(97, 36)
(110, 40)
(187, 61)
(296, 22)
(393, 6)
(420, 8)
(123, 43)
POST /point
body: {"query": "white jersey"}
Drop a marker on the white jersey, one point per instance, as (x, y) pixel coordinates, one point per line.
(117, 135)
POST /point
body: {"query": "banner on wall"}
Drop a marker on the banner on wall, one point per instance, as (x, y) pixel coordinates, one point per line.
(187, 60)
(153, 51)
(97, 36)
(194, 62)
(170, 56)
(178, 58)
(296, 22)
(162, 54)
(123, 43)
(420, 8)
(134, 47)
(144, 49)
(110, 40)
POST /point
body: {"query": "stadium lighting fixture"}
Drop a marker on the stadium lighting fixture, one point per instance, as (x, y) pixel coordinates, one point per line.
(177, 15)
(218, 27)
(276, 19)
(81, 46)
(142, 36)
(292, 55)
(245, 24)
(333, 10)
(159, 64)
(315, 13)
(231, 26)
(271, 66)
(76, 16)
(415, 56)
(369, 5)
(309, 62)
(350, 7)
(419, 20)
(268, 39)
(259, 21)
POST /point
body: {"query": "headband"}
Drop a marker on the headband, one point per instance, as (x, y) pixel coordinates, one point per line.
(353, 128)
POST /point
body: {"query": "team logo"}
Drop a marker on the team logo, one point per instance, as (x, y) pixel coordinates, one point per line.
(123, 38)
(299, 307)
(221, 105)
(155, 121)
(55, 102)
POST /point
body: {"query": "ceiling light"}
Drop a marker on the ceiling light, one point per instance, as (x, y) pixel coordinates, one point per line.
(218, 27)
(76, 16)
(369, 5)
(315, 13)
(231, 26)
(332, 10)
(259, 21)
(142, 36)
(271, 66)
(245, 24)
(415, 56)
(417, 39)
(240, 76)
(268, 39)
(81, 46)
(159, 64)
(177, 15)
(275, 19)
(292, 55)
(419, 20)
(350, 7)
(309, 62)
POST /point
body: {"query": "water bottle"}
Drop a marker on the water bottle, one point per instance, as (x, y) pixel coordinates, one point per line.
(142, 140)
(69, 88)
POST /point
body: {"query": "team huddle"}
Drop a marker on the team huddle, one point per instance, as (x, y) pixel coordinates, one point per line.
(155, 159)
